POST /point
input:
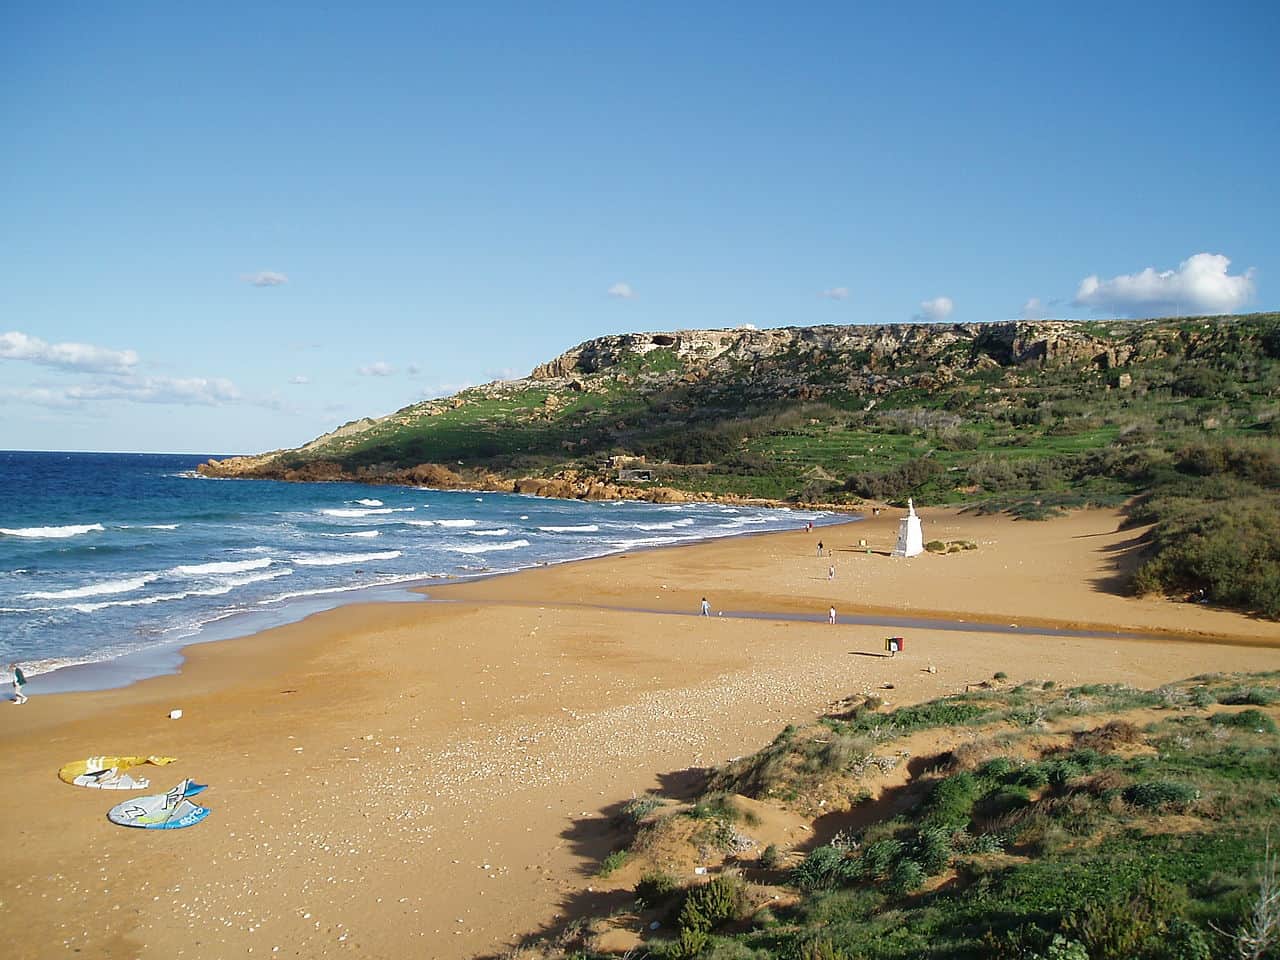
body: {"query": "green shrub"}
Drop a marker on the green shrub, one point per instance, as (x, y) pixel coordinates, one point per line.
(949, 804)
(1126, 927)
(936, 546)
(612, 862)
(1004, 800)
(997, 767)
(879, 857)
(907, 875)
(1203, 698)
(1252, 696)
(1161, 795)
(656, 887)
(821, 949)
(708, 906)
(770, 858)
(824, 868)
(1246, 719)
(637, 808)
(933, 849)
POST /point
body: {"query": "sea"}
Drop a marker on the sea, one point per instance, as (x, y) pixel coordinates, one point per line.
(110, 563)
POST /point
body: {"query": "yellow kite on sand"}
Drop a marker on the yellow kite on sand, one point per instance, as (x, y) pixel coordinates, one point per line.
(108, 773)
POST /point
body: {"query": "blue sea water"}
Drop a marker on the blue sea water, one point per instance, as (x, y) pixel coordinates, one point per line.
(104, 556)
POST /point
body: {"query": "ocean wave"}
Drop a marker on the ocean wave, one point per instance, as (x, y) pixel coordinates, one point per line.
(456, 523)
(500, 532)
(161, 526)
(646, 542)
(357, 533)
(490, 547)
(222, 566)
(53, 533)
(364, 511)
(218, 590)
(348, 588)
(339, 559)
(419, 523)
(582, 528)
(106, 588)
(366, 502)
(669, 525)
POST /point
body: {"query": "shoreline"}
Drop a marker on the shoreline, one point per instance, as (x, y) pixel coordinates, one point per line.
(167, 657)
(437, 778)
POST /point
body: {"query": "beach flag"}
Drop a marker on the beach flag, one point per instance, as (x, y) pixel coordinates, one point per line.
(894, 644)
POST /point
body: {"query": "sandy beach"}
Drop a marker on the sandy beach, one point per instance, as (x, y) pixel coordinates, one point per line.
(430, 779)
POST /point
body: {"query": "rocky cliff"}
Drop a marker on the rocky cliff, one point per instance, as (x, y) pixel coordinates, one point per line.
(620, 395)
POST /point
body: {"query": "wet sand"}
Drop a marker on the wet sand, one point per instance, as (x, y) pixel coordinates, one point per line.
(429, 779)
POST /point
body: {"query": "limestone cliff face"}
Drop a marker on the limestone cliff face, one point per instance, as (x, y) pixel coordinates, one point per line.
(888, 345)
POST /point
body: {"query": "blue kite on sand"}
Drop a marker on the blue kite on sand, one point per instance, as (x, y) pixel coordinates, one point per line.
(163, 811)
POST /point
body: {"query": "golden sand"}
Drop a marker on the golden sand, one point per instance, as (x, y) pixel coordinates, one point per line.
(428, 779)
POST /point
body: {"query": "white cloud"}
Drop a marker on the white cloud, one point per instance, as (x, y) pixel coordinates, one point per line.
(69, 356)
(1201, 284)
(438, 390)
(265, 278)
(299, 379)
(190, 391)
(836, 293)
(935, 310)
(1033, 309)
(379, 368)
(622, 291)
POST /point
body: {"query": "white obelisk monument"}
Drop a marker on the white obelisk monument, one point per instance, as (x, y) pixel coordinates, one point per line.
(910, 536)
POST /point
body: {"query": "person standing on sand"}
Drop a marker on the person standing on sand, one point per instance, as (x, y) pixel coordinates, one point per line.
(19, 681)
(831, 572)
(831, 616)
(819, 548)
(706, 608)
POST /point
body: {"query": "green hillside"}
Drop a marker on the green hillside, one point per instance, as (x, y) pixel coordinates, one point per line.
(1031, 417)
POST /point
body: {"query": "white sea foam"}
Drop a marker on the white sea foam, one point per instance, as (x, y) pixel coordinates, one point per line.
(160, 526)
(348, 588)
(581, 528)
(646, 542)
(53, 533)
(368, 503)
(490, 547)
(420, 523)
(364, 511)
(339, 559)
(223, 566)
(220, 589)
(500, 532)
(357, 533)
(670, 525)
(456, 523)
(106, 588)
(524, 516)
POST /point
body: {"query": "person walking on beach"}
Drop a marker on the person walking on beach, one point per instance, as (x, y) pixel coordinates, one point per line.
(706, 608)
(19, 681)
(831, 616)
(831, 572)
(819, 548)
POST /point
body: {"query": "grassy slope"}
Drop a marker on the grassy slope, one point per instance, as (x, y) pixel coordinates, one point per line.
(1192, 427)
(1126, 824)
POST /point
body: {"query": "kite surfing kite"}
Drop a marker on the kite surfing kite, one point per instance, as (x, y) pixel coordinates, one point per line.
(108, 773)
(163, 811)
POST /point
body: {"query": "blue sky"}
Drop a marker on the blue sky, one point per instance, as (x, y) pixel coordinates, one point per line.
(231, 231)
